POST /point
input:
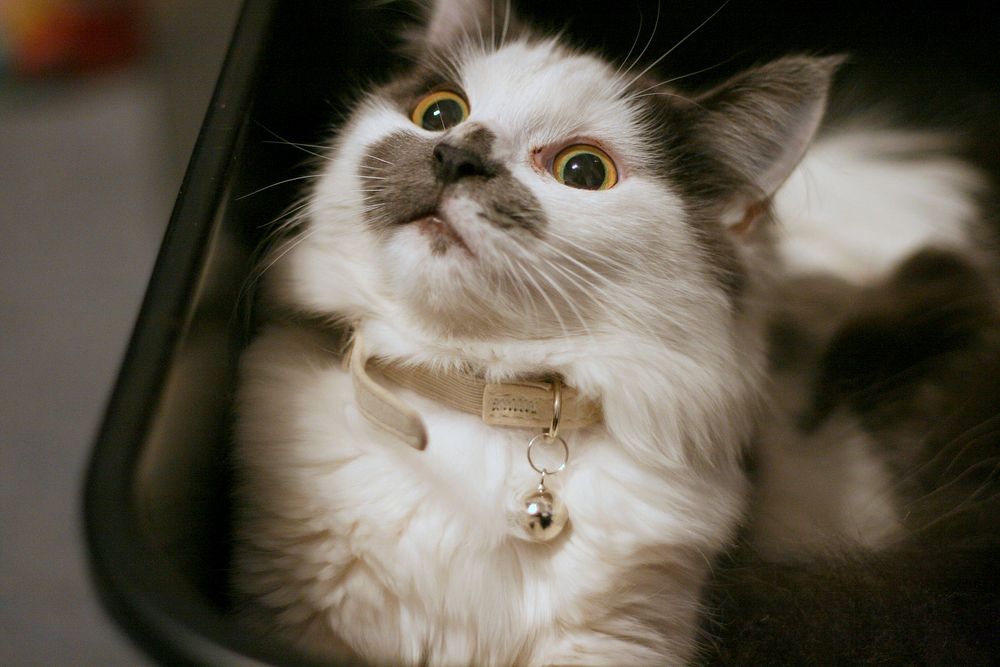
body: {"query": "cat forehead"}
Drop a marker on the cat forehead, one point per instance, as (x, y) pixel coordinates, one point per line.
(539, 89)
(546, 66)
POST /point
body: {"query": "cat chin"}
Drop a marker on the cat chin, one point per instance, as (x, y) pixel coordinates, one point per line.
(451, 233)
(441, 235)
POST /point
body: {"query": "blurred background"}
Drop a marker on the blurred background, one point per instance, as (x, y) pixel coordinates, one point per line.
(100, 105)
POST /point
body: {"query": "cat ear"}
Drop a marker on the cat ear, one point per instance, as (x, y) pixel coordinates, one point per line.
(451, 21)
(758, 125)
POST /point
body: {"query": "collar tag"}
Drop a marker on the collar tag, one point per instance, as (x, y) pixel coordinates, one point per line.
(529, 405)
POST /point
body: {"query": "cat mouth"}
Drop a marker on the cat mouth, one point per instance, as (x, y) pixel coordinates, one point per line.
(441, 233)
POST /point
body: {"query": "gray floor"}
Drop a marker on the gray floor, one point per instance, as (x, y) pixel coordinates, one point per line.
(88, 171)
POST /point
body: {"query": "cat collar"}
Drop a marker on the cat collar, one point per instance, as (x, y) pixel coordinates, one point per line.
(522, 404)
(543, 404)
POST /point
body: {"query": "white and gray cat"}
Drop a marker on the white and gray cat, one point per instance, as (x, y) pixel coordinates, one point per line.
(514, 209)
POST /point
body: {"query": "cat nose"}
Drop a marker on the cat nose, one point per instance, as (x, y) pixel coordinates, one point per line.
(456, 162)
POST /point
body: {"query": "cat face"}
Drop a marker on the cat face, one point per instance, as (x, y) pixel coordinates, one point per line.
(529, 211)
(525, 190)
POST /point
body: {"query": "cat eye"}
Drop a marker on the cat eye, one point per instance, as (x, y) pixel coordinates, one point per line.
(585, 167)
(440, 110)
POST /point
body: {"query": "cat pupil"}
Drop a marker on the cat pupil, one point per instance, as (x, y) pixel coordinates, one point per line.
(585, 171)
(441, 115)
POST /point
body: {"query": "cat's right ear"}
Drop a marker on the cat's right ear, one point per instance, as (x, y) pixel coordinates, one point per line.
(757, 126)
(451, 22)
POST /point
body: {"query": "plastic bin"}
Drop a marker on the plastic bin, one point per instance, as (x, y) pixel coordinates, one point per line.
(157, 494)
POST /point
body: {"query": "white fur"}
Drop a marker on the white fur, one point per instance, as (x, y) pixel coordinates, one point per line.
(859, 203)
(864, 199)
(828, 493)
(410, 557)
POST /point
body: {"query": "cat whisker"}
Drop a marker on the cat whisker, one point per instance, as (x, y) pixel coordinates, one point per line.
(288, 213)
(519, 285)
(538, 288)
(593, 291)
(482, 37)
(675, 46)
(506, 23)
(602, 259)
(288, 248)
(581, 286)
(638, 34)
(297, 144)
(274, 185)
(649, 42)
(581, 283)
(662, 93)
(517, 272)
(301, 147)
(450, 66)
(613, 312)
(570, 302)
(604, 279)
(640, 93)
(289, 219)
(974, 435)
(637, 321)
(375, 157)
(968, 438)
(968, 501)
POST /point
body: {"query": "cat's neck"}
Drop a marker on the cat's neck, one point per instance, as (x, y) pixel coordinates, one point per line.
(661, 406)
(493, 358)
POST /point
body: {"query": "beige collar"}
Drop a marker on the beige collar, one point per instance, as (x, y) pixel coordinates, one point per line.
(523, 404)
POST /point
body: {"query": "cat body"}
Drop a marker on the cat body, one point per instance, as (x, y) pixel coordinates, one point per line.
(455, 249)
(419, 544)
(862, 204)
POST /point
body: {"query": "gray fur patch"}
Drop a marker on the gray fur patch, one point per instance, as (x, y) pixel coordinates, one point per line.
(734, 141)
(404, 182)
(690, 170)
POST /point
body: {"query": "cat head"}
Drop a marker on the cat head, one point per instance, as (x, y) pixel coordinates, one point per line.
(512, 187)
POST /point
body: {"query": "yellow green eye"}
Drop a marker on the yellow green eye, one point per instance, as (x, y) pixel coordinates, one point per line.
(440, 110)
(585, 167)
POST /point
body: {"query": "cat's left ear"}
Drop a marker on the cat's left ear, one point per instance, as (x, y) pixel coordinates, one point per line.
(757, 126)
(448, 22)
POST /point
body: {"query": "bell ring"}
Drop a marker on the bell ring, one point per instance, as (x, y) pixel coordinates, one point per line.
(543, 514)
(547, 440)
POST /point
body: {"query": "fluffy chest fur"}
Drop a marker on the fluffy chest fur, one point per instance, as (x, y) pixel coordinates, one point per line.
(409, 555)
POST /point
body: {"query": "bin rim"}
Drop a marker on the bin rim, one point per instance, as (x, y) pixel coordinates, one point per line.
(155, 606)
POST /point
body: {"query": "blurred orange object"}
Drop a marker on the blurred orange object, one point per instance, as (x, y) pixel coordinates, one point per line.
(69, 36)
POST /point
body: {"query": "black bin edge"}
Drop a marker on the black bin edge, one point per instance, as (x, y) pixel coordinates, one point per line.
(135, 583)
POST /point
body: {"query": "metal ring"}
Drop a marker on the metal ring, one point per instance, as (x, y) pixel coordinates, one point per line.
(553, 431)
(548, 438)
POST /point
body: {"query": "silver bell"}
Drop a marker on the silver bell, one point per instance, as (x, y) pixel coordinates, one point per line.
(543, 515)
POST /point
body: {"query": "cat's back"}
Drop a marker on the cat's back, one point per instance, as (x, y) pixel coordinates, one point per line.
(867, 196)
(886, 327)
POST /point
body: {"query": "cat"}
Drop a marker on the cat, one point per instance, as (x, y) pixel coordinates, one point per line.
(514, 209)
